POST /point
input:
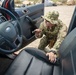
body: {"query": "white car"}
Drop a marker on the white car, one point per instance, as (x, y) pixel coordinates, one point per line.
(49, 3)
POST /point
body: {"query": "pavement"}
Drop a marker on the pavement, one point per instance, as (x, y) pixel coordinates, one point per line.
(65, 12)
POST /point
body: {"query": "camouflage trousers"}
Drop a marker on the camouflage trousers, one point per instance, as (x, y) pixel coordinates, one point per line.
(45, 41)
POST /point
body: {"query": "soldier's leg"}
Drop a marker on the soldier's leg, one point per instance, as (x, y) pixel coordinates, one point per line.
(43, 43)
(51, 43)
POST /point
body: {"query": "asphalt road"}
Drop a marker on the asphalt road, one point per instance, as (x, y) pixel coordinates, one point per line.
(65, 12)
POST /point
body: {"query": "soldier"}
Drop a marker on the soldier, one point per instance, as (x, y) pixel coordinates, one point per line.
(54, 32)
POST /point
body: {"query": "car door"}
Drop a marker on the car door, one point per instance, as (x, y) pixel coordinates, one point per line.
(30, 18)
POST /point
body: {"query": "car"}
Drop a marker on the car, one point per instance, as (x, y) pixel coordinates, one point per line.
(49, 3)
(16, 29)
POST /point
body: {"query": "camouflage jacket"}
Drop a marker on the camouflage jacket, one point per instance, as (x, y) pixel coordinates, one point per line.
(58, 31)
(49, 32)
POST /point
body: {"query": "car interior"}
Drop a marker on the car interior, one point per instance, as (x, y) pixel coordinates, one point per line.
(16, 29)
(29, 17)
(32, 61)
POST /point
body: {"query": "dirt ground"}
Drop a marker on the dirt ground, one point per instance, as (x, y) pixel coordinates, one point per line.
(65, 12)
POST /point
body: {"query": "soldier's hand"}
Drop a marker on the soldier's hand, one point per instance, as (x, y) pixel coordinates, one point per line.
(37, 32)
(52, 57)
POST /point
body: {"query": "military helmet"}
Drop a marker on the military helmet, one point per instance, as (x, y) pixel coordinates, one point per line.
(54, 14)
(52, 17)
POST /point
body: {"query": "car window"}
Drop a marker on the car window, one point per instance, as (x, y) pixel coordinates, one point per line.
(25, 3)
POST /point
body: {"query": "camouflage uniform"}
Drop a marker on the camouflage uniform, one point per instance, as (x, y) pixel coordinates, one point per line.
(52, 36)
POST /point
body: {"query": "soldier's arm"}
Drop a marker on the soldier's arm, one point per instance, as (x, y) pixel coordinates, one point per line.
(39, 34)
(61, 35)
(53, 53)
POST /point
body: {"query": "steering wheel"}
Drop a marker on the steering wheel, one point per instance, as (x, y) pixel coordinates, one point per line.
(10, 33)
